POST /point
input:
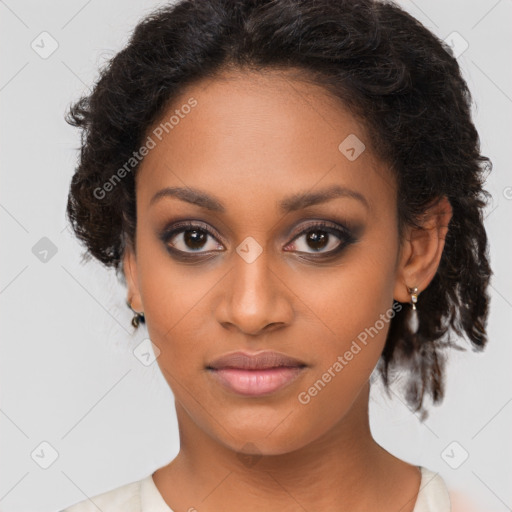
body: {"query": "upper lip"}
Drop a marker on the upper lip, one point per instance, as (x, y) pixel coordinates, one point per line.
(255, 361)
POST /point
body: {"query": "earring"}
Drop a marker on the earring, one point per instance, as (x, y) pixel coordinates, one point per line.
(412, 319)
(138, 318)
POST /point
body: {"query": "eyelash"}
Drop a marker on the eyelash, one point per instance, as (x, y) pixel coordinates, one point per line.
(345, 236)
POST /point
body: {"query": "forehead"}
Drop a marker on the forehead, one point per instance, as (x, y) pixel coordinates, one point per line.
(252, 132)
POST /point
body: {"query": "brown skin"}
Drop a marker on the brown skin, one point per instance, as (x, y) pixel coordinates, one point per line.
(251, 141)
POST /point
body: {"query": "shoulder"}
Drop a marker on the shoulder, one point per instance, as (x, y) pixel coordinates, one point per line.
(433, 494)
(125, 498)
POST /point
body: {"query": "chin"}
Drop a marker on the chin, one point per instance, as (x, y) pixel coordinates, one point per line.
(277, 435)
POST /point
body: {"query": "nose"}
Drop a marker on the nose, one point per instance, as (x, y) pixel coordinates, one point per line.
(255, 299)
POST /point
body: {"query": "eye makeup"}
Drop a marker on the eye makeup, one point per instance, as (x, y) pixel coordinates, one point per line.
(185, 240)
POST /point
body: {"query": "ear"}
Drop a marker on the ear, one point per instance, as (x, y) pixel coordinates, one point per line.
(422, 249)
(130, 273)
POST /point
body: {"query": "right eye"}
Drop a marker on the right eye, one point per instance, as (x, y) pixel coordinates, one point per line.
(191, 238)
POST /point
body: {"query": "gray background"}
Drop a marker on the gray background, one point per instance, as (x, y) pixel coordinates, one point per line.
(68, 373)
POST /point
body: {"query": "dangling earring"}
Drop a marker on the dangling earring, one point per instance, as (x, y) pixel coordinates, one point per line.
(412, 319)
(138, 318)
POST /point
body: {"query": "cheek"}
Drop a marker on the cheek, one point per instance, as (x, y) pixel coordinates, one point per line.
(354, 318)
(349, 298)
(168, 290)
(172, 296)
(353, 308)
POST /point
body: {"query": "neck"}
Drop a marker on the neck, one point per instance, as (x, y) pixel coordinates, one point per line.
(344, 466)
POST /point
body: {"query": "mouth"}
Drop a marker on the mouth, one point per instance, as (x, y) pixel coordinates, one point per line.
(257, 374)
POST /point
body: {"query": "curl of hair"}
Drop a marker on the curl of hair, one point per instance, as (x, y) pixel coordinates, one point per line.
(399, 79)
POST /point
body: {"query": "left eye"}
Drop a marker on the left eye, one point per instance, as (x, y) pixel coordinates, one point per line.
(320, 239)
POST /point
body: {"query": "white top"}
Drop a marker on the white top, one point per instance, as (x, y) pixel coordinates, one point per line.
(144, 496)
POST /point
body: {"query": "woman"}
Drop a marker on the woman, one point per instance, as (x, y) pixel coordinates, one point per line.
(292, 193)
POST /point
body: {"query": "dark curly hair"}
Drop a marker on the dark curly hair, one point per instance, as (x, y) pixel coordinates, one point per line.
(400, 80)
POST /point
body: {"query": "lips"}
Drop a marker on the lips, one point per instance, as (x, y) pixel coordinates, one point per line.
(258, 361)
(255, 374)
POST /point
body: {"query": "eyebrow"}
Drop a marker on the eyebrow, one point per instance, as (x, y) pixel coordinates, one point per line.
(289, 204)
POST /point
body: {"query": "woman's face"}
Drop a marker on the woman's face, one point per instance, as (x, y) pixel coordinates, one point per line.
(272, 158)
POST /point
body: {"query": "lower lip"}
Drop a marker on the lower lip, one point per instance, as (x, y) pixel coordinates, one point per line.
(256, 382)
